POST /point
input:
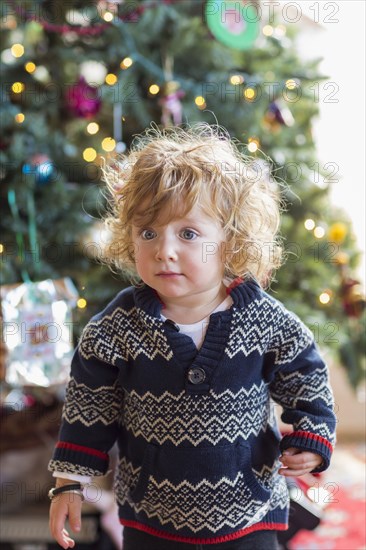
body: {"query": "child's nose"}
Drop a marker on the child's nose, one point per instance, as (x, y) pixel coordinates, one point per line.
(166, 250)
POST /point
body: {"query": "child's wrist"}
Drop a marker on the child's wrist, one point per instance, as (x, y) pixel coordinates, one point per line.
(60, 482)
(74, 488)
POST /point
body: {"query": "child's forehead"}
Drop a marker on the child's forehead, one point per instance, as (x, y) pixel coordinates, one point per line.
(172, 212)
(160, 215)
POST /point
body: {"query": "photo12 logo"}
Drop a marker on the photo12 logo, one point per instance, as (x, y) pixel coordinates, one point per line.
(236, 14)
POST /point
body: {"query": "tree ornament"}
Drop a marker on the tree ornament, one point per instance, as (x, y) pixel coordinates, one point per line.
(120, 147)
(83, 100)
(37, 326)
(235, 24)
(41, 166)
(93, 72)
(172, 110)
(4, 144)
(337, 232)
(117, 128)
(353, 299)
(278, 115)
(342, 258)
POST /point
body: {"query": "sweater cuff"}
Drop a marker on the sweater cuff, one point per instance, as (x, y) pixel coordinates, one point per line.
(84, 480)
(77, 459)
(307, 441)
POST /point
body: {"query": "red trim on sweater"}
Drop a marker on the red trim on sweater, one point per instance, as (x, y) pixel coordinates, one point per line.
(310, 435)
(82, 449)
(236, 282)
(193, 540)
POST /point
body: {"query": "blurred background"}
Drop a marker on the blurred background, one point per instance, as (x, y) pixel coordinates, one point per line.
(79, 80)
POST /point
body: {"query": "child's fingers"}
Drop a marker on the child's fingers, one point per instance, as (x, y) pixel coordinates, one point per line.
(300, 460)
(298, 463)
(66, 540)
(75, 515)
(61, 508)
(291, 451)
(62, 537)
(289, 472)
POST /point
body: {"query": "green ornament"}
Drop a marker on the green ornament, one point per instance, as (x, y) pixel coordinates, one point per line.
(33, 33)
(233, 23)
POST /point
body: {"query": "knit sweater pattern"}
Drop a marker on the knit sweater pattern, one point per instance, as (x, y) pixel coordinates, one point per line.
(196, 430)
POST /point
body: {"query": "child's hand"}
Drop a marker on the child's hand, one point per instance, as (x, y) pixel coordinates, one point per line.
(297, 462)
(63, 506)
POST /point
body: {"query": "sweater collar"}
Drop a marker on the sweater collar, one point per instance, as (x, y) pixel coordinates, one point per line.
(241, 291)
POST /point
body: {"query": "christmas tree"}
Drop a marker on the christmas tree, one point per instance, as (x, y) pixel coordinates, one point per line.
(80, 79)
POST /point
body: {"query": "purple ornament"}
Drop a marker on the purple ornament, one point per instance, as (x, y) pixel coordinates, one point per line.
(280, 113)
(82, 99)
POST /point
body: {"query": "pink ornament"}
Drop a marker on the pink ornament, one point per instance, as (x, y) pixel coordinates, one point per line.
(82, 99)
(233, 21)
(172, 109)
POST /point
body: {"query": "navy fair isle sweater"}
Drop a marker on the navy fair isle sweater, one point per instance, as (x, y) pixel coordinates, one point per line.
(196, 430)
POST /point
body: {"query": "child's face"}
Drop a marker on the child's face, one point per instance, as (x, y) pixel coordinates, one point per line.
(182, 259)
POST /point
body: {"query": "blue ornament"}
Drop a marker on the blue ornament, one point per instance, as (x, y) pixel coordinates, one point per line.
(41, 167)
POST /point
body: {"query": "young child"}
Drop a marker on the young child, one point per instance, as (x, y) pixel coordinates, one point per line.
(184, 369)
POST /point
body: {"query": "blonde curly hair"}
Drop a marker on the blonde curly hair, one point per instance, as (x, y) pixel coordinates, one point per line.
(175, 169)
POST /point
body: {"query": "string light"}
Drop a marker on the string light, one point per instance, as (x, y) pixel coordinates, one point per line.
(30, 67)
(1, 248)
(325, 297)
(81, 303)
(19, 118)
(154, 89)
(249, 93)
(200, 102)
(17, 50)
(126, 63)
(253, 145)
(291, 84)
(108, 16)
(89, 154)
(267, 30)
(18, 87)
(111, 79)
(92, 128)
(280, 30)
(319, 232)
(236, 79)
(108, 144)
(309, 224)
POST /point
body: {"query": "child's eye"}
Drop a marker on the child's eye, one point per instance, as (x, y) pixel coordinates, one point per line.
(188, 234)
(147, 234)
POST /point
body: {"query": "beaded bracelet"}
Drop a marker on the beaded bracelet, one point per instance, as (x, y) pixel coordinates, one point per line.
(75, 488)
